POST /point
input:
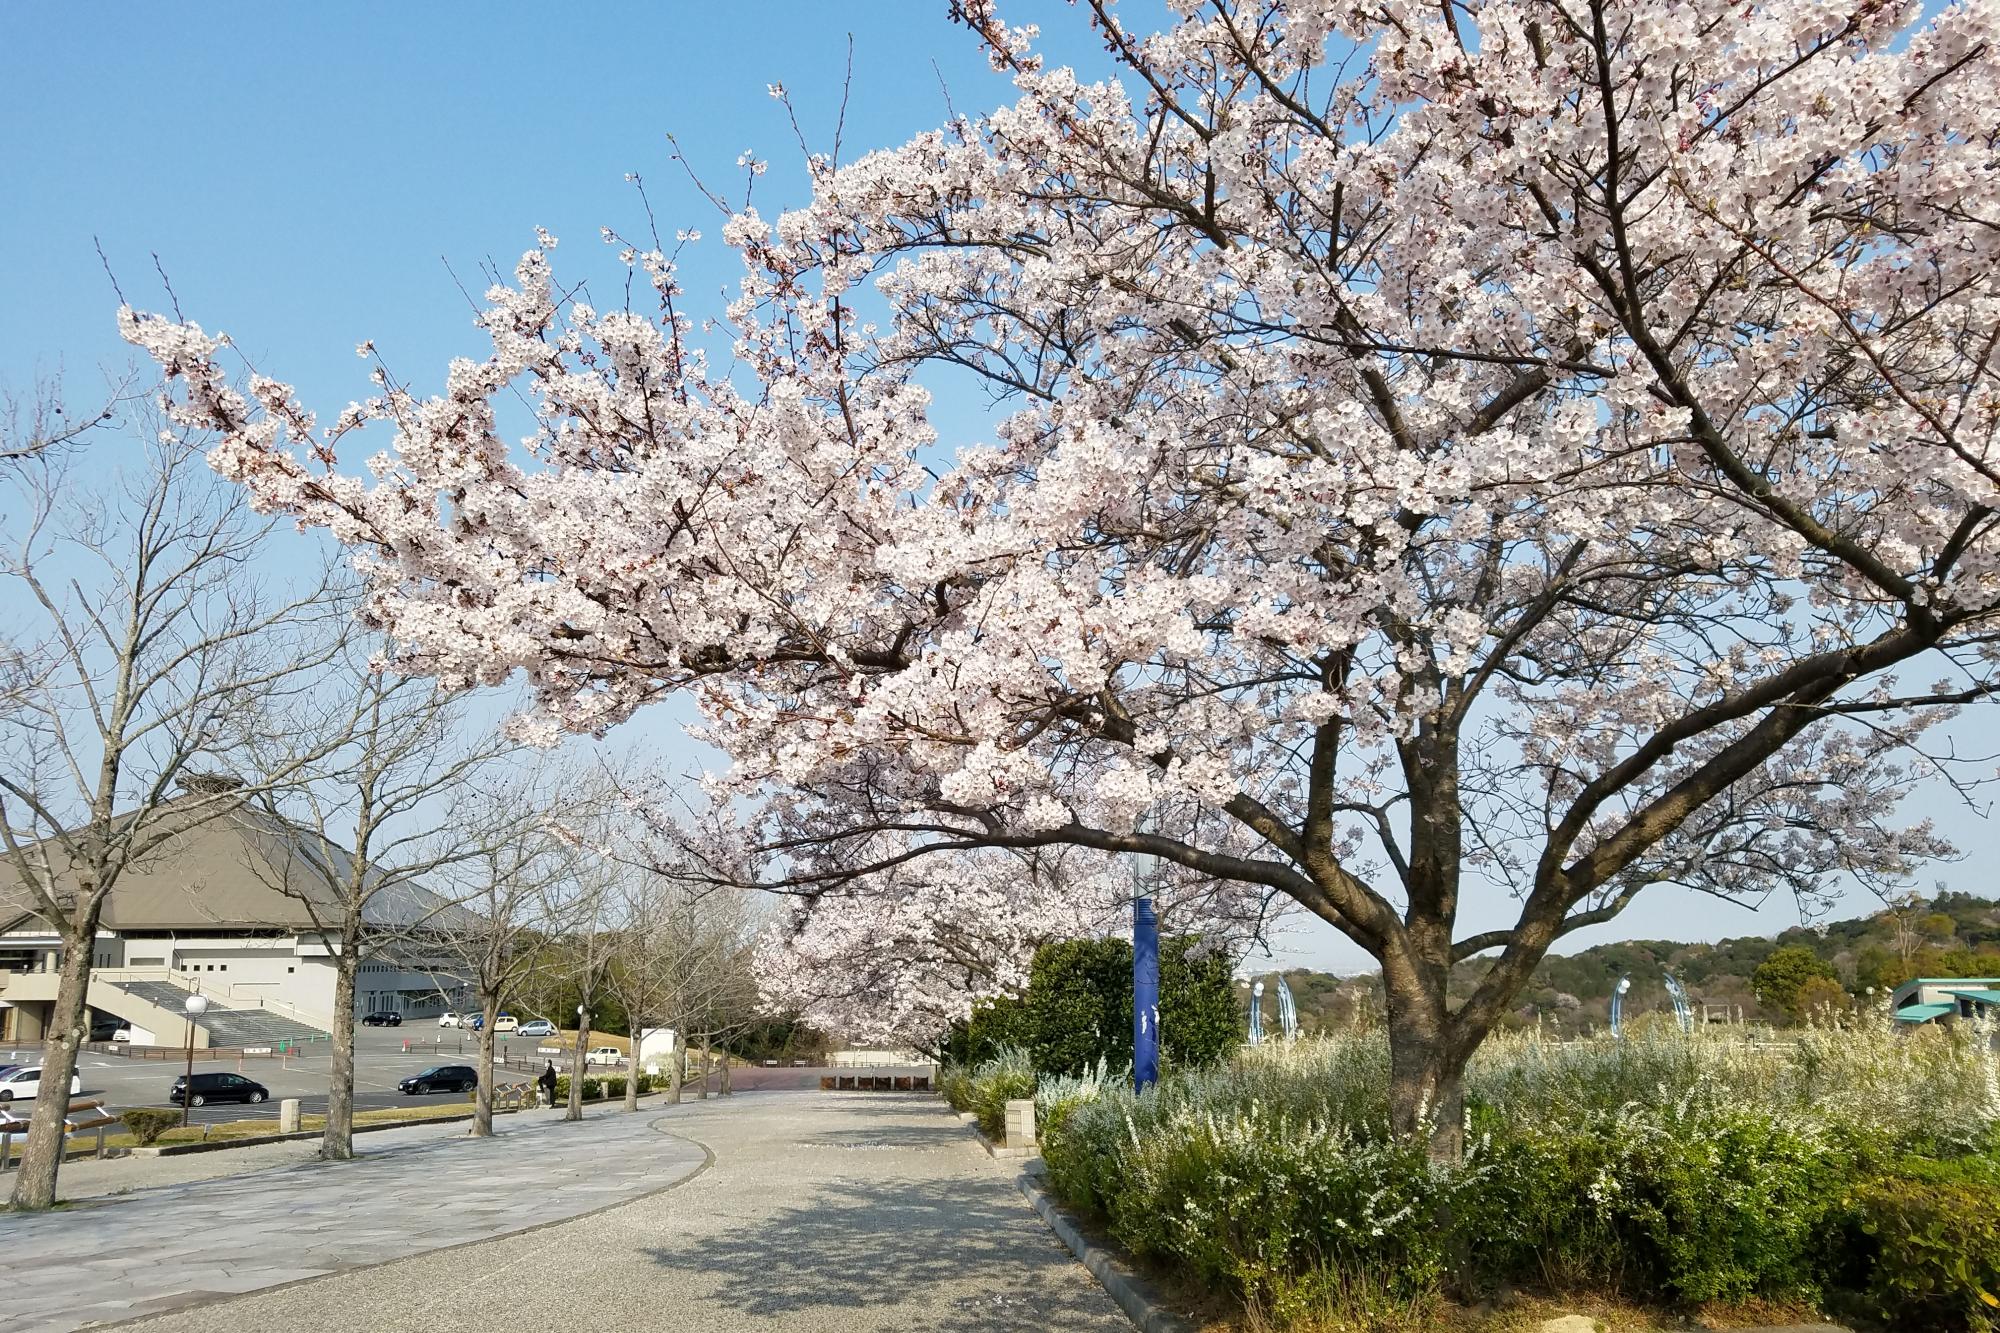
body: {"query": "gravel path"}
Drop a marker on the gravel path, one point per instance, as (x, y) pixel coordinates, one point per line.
(821, 1211)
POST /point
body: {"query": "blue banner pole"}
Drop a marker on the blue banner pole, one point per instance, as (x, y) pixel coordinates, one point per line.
(1145, 995)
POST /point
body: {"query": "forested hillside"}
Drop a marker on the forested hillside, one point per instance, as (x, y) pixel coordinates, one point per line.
(1951, 935)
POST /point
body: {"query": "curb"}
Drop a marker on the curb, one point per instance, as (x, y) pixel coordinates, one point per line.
(1135, 1296)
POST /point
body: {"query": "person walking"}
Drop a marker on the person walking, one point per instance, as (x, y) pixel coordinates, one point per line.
(548, 1082)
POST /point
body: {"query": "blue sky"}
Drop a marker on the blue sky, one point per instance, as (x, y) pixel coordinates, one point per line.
(305, 172)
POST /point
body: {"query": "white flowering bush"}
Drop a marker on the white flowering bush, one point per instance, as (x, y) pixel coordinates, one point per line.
(1686, 1169)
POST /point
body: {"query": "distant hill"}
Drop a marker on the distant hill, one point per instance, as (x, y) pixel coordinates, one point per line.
(1952, 935)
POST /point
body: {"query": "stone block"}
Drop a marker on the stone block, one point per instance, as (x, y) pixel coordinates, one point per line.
(288, 1116)
(1021, 1123)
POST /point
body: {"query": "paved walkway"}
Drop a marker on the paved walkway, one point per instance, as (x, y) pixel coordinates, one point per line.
(823, 1212)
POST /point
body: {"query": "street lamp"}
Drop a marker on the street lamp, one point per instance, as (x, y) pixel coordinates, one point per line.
(196, 1006)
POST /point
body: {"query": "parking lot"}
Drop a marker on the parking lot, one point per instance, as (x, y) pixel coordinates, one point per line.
(380, 1063)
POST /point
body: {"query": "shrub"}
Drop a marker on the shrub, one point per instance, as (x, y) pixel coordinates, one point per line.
(1924, 1242)
(1684, 1168)
(613, 1085)
(995, 1023)
(147, 1123)
(1726, 1203)
(1078, 1010)
(985, 1089)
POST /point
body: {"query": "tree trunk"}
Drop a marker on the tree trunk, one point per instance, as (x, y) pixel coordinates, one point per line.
(701, 1093)
(632, 1075)
(576, 1068)
(676, 1070)
(482, 1096)
(1426, 1067)
(41, 1159)
(337, 1142)
(723, 1078)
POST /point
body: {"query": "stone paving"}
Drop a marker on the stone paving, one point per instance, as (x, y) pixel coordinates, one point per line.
(821, 1213)
(164, 1248)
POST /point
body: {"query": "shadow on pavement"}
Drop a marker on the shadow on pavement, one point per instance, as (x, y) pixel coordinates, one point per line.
(958, 1261)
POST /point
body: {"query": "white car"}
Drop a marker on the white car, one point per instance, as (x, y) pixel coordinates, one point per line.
(506, 1023)
(604, 1055)
(25, 1083)
(122, 1034)
(448, 1020)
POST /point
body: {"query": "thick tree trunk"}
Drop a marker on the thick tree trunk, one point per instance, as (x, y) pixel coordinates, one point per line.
(723, 1079)
(701, 1093)
(1426, 1065)
(576, 1068)
(482, 1097)
(676, 1070)
(41, 1160)
(337, 1141)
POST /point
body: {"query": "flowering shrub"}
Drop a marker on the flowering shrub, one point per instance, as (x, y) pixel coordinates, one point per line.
(1686, 1169)
(985, 1089)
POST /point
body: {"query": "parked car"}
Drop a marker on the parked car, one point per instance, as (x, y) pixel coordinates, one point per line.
(124, 1033)
(448, 1020)
(506, 1023)
(441, 1078)
(474, 1022)
(383, 1019)
(217, 1088)
(537, 1027)
(604, 1055)
(24, 1083)
(106, 1029)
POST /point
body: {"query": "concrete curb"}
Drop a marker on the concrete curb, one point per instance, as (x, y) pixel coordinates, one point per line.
(1135, 1296)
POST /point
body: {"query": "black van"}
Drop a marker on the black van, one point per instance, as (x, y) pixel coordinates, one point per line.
(218, 1088)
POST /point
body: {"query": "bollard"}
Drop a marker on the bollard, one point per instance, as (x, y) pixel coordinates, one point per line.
(1021, 1123)
(288, 1116)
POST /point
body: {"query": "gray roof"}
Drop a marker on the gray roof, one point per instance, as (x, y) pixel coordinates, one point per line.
(242, 869)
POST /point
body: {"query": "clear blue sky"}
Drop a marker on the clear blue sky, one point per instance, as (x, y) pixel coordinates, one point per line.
(304, 172)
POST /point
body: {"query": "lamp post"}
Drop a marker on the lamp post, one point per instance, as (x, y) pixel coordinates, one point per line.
(1618, 1003)
(196, 1006)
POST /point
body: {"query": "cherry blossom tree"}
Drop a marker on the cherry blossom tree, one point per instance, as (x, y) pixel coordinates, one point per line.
(1540, 448)
(904, 955)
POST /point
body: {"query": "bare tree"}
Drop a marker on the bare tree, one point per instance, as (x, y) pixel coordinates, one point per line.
(577, 907)
(40, 421)
(379, 760)
(497, 936)
(148, 648)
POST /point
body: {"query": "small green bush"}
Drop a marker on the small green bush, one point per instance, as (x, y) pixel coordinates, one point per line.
(613, 1085)
(147, 1123)
(985, 1089)
(1925, 1244)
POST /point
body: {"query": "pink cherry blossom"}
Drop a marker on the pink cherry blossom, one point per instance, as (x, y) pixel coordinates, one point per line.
(1507, 447)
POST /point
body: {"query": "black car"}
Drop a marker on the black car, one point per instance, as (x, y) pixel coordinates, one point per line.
(443, 1078)
(218, 1088)
(382, 1020)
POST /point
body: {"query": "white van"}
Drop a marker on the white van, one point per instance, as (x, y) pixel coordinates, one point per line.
(23, 1083)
